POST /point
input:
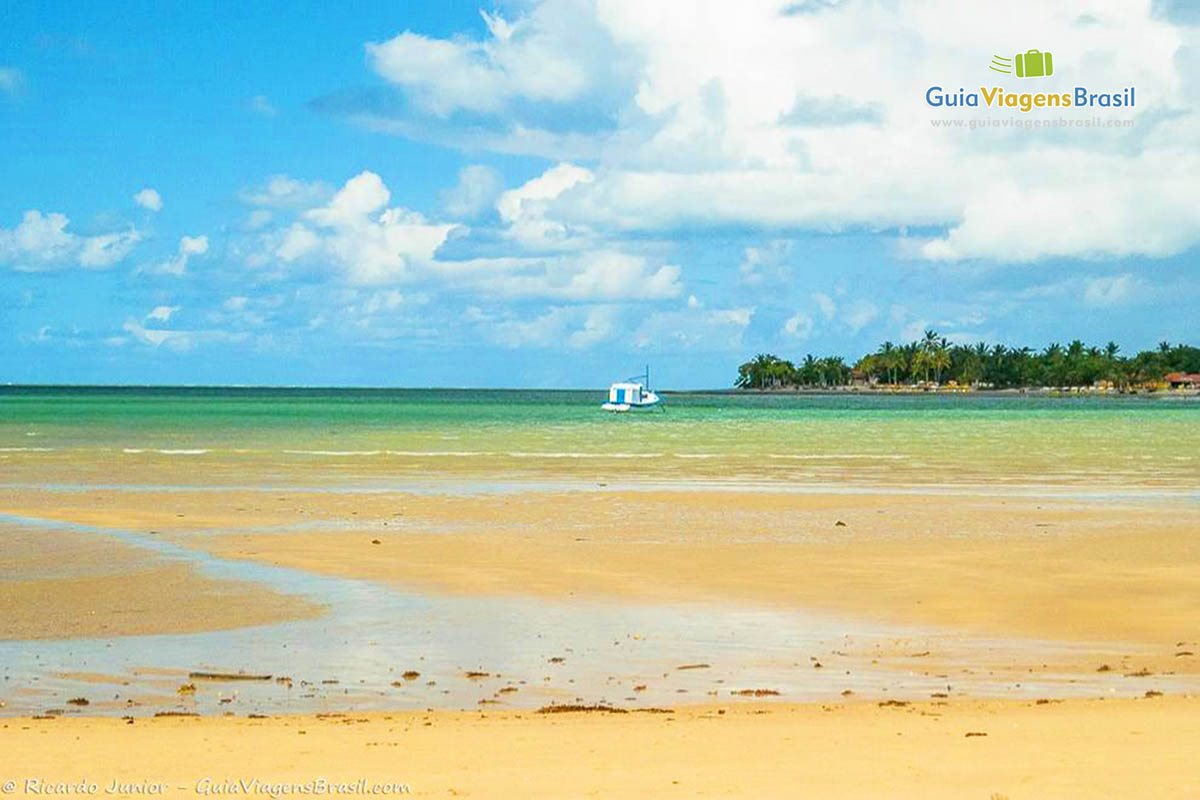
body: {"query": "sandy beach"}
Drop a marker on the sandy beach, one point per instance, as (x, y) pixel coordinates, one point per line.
(733, 638)
(986, 749)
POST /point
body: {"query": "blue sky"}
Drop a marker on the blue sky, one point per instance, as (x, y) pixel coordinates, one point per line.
(555, 192)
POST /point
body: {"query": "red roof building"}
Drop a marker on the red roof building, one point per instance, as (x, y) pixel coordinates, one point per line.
(1184, 380)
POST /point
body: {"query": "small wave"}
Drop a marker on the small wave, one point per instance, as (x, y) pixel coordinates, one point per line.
(439, 453)
(333, 452)
(832, 457)
(26, 449)
(188, 452)
(520, 454)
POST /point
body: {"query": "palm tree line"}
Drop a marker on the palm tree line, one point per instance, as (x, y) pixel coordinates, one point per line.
(934, 360)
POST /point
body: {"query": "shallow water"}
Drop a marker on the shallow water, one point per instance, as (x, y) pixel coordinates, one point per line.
(390, 438)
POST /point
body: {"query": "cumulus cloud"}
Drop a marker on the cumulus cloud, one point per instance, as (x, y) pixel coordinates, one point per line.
(766, 264)
(527, 59)
(709, 330)
(799, 325)
(826, 304)
(42, 242)
(161, 313)
(177, 264)
(476, 191)
(282, 191)
(366, 243)
(177, 340)
(777, 119)
(360, 237)
(149, 199)
(859, 314)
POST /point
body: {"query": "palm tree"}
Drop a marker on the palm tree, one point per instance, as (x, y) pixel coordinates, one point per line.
(889, 360)
(939, 359)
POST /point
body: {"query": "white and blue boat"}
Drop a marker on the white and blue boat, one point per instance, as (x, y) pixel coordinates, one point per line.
(632, 394)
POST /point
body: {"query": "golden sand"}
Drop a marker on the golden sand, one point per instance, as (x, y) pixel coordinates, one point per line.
(969, 748)
(72, 585)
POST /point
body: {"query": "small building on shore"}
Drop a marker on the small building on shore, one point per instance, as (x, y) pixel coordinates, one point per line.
(1183, 380)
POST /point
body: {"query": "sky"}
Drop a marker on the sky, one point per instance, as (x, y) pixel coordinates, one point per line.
(554, 193)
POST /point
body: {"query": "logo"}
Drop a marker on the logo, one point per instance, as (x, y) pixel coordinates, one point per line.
(1030, 64)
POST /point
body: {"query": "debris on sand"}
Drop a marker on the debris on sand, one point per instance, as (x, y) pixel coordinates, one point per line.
(176, 714)
(969, 734)
(507, 690)
(1141, 673)
(1104, 668)
(641, 687)
(557, 660)
(893, 703)
(376, 541)
(411, 675)
(565, 708)
(77, 701)
(847, 692)
(1153, 693)
(187, 688)
(693, 666)
(754, 692)
(839, 524)
(474, 675)
(226, 676)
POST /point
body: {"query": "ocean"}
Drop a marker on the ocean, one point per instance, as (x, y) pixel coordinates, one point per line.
(407, 438)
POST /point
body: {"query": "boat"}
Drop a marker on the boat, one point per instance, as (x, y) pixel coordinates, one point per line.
(632, 394)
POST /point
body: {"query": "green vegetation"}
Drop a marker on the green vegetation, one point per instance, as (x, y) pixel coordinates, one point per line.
(934, 360)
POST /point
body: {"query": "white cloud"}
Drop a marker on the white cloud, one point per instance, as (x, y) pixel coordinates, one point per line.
(368, 244)
(282, 191)
(162, 313)
(259, 104)
(177, 264)
(526, 59)
(799, 325)
(769, 119)
(826, 304)
(360, 237)
(149, 199)
(11, 79)
(766, 264)
(477, 189)
(524, 209)
(859, 314)
(42, 242)
(235, 303)
(1112, 290)
(179, 341)
(577, 328)
(713, 330)
(598, 327)
(598, 275)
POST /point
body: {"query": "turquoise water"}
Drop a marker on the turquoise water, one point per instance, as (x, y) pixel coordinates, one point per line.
(391, 438)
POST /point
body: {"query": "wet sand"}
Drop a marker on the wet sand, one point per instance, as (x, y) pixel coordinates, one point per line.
(1113, 575)
(60, 584)
(1067, 569)
(968, 748)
